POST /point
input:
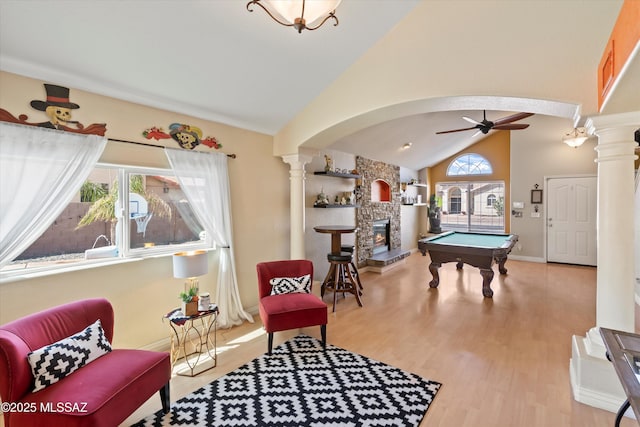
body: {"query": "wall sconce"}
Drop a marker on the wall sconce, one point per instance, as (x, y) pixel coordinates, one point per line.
(576, 137)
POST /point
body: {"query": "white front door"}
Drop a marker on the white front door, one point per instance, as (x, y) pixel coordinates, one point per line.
(571, 220)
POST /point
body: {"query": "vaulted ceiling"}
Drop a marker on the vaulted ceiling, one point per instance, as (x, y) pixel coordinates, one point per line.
(217, 61)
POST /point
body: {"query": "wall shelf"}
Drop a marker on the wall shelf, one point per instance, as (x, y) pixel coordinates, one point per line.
(338, 175)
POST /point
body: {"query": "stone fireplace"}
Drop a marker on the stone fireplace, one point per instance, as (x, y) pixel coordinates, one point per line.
(377, 204)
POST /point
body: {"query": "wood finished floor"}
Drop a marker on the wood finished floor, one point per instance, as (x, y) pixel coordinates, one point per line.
(502, 361)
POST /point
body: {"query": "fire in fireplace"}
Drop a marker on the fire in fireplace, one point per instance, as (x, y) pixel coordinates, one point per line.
(381, 235)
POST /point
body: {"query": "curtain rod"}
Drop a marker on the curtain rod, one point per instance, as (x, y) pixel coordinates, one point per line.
(233, 156)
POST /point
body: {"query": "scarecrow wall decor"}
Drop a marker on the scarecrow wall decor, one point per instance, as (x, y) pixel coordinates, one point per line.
(58, 108)
(187, 136)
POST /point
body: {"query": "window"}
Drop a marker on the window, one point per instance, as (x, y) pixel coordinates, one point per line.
(469, 164)
(120, 212)
(472, 206)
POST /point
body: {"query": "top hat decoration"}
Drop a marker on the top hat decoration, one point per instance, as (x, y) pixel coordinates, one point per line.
(57, 96)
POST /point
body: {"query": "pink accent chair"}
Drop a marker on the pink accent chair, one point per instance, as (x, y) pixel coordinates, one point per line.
(107, 390)
(289, 311)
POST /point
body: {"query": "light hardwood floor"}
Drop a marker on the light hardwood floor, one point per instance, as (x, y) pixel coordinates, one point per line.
(502, 361)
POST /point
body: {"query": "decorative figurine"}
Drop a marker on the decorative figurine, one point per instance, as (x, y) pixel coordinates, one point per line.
(328, 166)
(58, 109)
(321, 199)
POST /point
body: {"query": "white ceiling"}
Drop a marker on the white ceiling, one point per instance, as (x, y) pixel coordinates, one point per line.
(214, 60)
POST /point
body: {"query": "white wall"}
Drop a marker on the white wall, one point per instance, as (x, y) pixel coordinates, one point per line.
(318, 245)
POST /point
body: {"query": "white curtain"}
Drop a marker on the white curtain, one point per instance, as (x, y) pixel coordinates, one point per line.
(41, 170)
(204, 178)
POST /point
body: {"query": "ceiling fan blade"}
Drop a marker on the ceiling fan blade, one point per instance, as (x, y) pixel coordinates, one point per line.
(477, 133)
(512, 118)
(470, 120)
(455, 130)
(514, 126)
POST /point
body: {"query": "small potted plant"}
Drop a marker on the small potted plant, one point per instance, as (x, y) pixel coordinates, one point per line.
(190, 301)
(434, 212)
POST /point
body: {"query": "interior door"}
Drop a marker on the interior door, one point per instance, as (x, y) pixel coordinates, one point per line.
(571, 220)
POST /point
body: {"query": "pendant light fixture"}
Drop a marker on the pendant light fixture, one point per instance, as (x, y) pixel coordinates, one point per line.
(299, 14)
(576, 137)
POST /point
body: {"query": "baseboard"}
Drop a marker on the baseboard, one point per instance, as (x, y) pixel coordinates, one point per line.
(526, 258)
(161, 345)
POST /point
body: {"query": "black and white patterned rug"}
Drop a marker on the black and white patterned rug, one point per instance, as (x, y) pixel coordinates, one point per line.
(302, 385)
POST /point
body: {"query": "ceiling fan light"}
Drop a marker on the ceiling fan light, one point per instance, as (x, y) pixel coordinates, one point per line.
(576, 137)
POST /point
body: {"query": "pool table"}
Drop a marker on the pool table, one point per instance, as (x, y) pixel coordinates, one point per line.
(477, 249)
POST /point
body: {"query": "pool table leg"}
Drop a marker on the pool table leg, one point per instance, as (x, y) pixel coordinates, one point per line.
(501, 262)
(487, 277)
(433, 268)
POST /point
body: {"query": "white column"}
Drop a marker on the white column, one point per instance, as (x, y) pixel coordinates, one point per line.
(296, 205)
(616, 182)
(593, 379)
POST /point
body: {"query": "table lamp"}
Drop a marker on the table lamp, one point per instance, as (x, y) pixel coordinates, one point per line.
(190, 265)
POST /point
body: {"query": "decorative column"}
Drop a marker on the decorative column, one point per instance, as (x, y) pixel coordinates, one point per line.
(593, 379)
(296, 205)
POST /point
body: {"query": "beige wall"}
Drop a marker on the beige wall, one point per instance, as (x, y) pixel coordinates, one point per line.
(411, 65)
(142, 291)
(535, 156)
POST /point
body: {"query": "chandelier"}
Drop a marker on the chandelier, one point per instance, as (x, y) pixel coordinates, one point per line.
(299, 14)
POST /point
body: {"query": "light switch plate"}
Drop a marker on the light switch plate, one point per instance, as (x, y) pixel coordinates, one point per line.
(518, 205)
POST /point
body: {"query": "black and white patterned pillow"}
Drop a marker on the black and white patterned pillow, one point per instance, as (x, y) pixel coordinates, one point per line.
(53, 362)
(291, 285)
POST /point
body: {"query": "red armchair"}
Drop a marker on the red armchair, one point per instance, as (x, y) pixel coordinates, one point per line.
(101, 393)
(291, 310)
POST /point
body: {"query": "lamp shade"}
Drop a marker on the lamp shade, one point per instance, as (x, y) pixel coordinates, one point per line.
(190, 264)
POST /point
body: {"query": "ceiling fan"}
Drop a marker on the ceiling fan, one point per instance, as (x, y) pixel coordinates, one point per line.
(505, 123)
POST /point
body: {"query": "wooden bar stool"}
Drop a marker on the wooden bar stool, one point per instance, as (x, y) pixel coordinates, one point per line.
(354, 270)
(339, 278)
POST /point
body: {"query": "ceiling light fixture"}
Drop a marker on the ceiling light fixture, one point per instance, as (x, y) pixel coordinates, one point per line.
(406, 145)
(297, 13)
(576, 137)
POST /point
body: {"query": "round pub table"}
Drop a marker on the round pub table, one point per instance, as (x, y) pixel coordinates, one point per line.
(336, 232)
(339, 278)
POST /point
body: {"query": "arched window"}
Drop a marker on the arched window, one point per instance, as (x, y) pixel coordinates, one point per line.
(469, 164)
(491, 199)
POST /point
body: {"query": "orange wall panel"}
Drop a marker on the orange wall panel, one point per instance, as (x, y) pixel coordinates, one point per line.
(624, 37)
